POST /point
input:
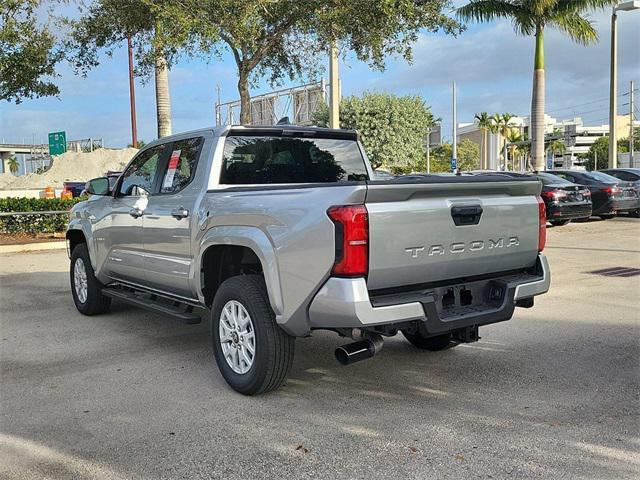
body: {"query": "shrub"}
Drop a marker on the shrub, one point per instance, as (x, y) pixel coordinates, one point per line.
(392, 128)
(36, 222)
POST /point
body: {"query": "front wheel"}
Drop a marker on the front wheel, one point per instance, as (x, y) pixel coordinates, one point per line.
(559, 223)
(85, 288)
(608, 216)
(433, 344)
(253, 353)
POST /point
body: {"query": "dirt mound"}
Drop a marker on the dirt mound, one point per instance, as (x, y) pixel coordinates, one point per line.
(70, 167)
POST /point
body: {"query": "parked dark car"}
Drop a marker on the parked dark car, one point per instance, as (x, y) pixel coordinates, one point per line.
(628, 175)
(609, 195)
(565, 201)
(76, 188)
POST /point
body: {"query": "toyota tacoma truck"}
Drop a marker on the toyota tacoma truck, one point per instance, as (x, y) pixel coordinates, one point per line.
(275, 232)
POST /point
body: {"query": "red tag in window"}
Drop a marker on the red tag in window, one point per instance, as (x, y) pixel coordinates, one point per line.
(171, 169)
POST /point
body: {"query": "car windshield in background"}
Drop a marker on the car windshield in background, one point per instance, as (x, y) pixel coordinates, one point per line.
(601, 177)
(549, 179)
(264, 160)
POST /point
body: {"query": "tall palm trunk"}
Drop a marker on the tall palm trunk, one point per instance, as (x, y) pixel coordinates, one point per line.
(163, 98)
(537, 104)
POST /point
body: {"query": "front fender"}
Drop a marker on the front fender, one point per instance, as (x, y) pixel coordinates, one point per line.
(259, 242)
(78, 222)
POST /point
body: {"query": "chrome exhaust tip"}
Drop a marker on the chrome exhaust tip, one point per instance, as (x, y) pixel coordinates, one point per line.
(360, 350)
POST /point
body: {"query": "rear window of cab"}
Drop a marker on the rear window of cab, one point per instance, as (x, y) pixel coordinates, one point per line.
(255, 160)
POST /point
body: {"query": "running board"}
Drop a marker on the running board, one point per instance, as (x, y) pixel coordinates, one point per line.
(155, 303)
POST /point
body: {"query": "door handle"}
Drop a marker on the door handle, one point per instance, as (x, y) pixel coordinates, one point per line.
(466, 215)
(135, 212)
(180, 212)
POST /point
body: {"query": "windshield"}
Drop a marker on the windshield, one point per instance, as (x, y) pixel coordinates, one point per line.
(549, 179)
(601, 177)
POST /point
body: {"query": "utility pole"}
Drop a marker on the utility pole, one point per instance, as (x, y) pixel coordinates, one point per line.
(595, 160)
(218, 113)
(132, 96)
(613, 94)
(428, 150)
(631, 107)
(334, 89)
(454, 153)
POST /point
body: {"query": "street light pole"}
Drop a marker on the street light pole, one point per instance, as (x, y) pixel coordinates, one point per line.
(613, 94)
(613, 86)
(454, 153)
(631, 132)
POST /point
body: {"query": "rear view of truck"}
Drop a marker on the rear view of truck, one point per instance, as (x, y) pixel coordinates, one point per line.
(434, 257)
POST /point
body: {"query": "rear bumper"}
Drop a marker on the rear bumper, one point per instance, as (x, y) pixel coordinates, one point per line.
(625, 205)
(568, 211)
(345, 303)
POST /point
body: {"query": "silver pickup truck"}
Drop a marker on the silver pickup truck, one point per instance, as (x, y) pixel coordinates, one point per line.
(275, 232)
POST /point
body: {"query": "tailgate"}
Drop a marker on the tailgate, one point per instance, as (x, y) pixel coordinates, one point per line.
(449, 228)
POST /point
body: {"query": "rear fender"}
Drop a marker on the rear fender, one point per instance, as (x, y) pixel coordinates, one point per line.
(256, 240)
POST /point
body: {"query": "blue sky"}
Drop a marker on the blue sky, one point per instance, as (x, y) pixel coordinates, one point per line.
(491, 65)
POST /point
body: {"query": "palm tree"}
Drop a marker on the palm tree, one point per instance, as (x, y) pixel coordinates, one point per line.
(13, 165)
(514, 138)
(161, 70)
(501, 123)
(484, 123)
(531, 17)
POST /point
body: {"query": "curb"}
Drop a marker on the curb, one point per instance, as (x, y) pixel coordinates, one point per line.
(33, 247)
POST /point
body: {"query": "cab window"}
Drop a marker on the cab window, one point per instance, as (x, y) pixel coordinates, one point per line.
(183, 158)
(139, 178)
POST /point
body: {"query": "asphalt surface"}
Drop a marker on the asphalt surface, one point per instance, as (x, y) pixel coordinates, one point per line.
(553, 393)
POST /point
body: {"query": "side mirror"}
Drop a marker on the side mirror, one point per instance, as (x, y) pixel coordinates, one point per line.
(98, 186)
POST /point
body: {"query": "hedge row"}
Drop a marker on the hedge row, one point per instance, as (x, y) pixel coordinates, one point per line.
(36, 222)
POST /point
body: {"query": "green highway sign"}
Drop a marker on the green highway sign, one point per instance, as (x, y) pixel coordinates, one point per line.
(57, 143)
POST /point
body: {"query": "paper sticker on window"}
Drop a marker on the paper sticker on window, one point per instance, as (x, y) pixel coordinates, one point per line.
(171, 170)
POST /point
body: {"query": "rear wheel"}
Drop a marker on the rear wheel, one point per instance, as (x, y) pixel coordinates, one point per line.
(253, 353)
(441, 342)
(85, 288)
(559, 223)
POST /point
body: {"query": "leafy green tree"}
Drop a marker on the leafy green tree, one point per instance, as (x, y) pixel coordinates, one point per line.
(530, 18)
(600, 150)
(28, 55)
(286, 38)
(392, 128)
(468, 156)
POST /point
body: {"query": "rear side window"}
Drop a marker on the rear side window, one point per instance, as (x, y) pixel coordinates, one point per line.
(264, 160)
(181, 167)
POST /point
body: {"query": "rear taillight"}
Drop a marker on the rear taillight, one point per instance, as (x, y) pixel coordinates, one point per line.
(542, 224)
(352, 240)
(610, 190)
(555, 195)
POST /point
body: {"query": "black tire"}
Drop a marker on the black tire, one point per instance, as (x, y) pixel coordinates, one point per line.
(95, 302)
(634, 213)
(608, 216)
(274, 348)
(559, 223)
(433, 344)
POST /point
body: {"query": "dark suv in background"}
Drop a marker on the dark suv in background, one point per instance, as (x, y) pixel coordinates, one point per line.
(609, 195)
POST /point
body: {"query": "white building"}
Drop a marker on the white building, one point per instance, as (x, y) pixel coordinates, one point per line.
(576, 137)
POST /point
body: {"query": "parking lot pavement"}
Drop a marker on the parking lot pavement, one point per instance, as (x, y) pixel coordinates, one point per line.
(554, 393)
